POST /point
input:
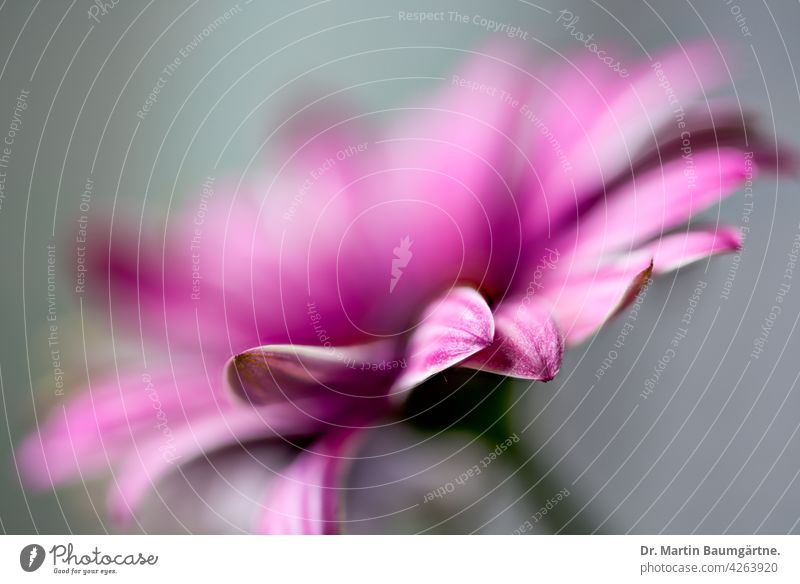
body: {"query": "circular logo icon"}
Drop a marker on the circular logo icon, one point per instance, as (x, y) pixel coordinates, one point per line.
(31, 557)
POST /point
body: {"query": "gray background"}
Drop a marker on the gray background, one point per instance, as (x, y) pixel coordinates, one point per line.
(714, 449)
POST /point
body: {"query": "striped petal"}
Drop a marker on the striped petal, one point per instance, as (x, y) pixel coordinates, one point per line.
(677, 250)
(95, 427)
(589, 296)
(287, 372)
(149, 461)
(660, 200)
(306, 500)
(527, 343)
(456, 326)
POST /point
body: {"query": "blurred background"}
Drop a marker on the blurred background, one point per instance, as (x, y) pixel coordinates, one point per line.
(711, 448)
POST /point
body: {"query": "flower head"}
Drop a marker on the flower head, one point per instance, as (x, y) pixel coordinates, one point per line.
(505, 220)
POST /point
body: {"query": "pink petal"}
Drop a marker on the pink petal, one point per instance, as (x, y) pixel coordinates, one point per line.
(596, 124)
(449, 177)
(227, 273)
(146, 280)
(658, 201)
(677, 250)
(160, 453)
(629, 122)
(287, 372)
(589, 296)
(312, 136)
(585, 297)
(95, 427)
(527, 344)
(306, 498)
(467, 126)
(218, 494)
(456, 326)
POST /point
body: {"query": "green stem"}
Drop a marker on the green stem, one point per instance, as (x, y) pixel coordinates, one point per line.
(481, 404)
(541, 483)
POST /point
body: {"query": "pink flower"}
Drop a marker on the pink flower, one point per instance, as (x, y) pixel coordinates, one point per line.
(513, 215)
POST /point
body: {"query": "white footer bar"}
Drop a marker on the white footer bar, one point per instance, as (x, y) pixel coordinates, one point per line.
(406, 559)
